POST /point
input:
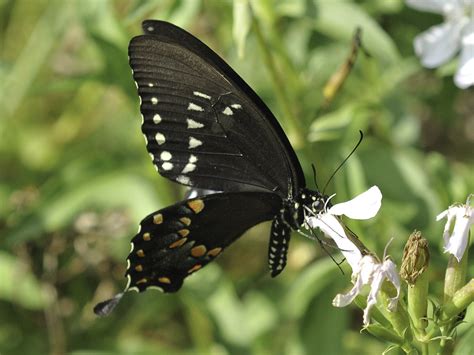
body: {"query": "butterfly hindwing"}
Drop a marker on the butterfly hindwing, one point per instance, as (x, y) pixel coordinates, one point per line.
(180, 239)
(204, 126)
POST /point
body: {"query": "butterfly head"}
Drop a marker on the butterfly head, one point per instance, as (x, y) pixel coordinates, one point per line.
(314, 200)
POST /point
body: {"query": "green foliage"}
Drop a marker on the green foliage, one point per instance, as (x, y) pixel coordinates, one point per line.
(75, 178)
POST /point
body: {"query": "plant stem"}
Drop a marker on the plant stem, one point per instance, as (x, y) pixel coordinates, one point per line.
(296, 132)
(460, 301)
(454, 280)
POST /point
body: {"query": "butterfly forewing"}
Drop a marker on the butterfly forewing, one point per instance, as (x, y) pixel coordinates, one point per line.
(178, 240)
(204, 126)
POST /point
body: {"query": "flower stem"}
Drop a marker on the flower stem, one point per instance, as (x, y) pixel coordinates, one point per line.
(455, 276)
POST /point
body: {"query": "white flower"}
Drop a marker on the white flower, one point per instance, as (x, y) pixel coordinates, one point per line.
(366, 269)
(364, 206)
(456, 238)
(440, 43)
(371, 272)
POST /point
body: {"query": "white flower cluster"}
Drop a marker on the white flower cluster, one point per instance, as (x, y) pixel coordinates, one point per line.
(440, 43)
(367, 269)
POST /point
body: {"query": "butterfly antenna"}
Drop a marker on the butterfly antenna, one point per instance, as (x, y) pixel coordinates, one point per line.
(314, 176)
(345, 159)
(322, 244)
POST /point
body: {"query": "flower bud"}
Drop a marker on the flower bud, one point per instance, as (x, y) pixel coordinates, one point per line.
(416, 257)
(415, 261)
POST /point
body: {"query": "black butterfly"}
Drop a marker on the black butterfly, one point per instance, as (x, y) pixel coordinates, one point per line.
(207, 129)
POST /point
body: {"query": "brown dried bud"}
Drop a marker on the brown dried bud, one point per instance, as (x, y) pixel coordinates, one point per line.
(416, 257)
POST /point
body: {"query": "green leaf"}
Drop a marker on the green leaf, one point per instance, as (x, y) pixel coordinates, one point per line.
(465, 344)
(241, 25)
(339, 19)
(309, 284)
(18, 284)
(240, 321)
(331, 126)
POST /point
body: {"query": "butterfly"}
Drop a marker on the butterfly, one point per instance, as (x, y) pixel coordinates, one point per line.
(205, 128)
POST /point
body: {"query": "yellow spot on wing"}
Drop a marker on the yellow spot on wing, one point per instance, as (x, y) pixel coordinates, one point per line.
(183, 232)
(140, 253)
(196, 205)
(198, 251)
(142, 281)
(164, 280)
(185, 220)
(178, 243)
(146, 236)
(158, 218)
(139, 268)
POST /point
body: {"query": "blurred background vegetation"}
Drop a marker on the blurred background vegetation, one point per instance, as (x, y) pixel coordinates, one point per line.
(75, 179)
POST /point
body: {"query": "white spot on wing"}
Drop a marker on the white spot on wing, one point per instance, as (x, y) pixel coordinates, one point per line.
(153, 287)
(151, 156)
(165, 155)
(192, 158)
(150, 28)
(154, 100)
(227, 111)
(193, 142)
(167, 166)
(193, 124)
(160, 138)
(236, 106)
(183, 179)
(150, 85)
(156, 118)
(200, 94)
(188, 168)
(194, 107)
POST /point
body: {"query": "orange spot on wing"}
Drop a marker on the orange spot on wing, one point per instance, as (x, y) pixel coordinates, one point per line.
(178, 243)
(214, 252)
(195, 268)
(196, 205)
(198, 251)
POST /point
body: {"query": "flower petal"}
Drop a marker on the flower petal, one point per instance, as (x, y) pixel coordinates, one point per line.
(437, 45)
(342, 300)
(333, 229)
(465, 75)
(436, 6)
(374, 290)
(390, 271)
(364, 206)
(457, 243)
